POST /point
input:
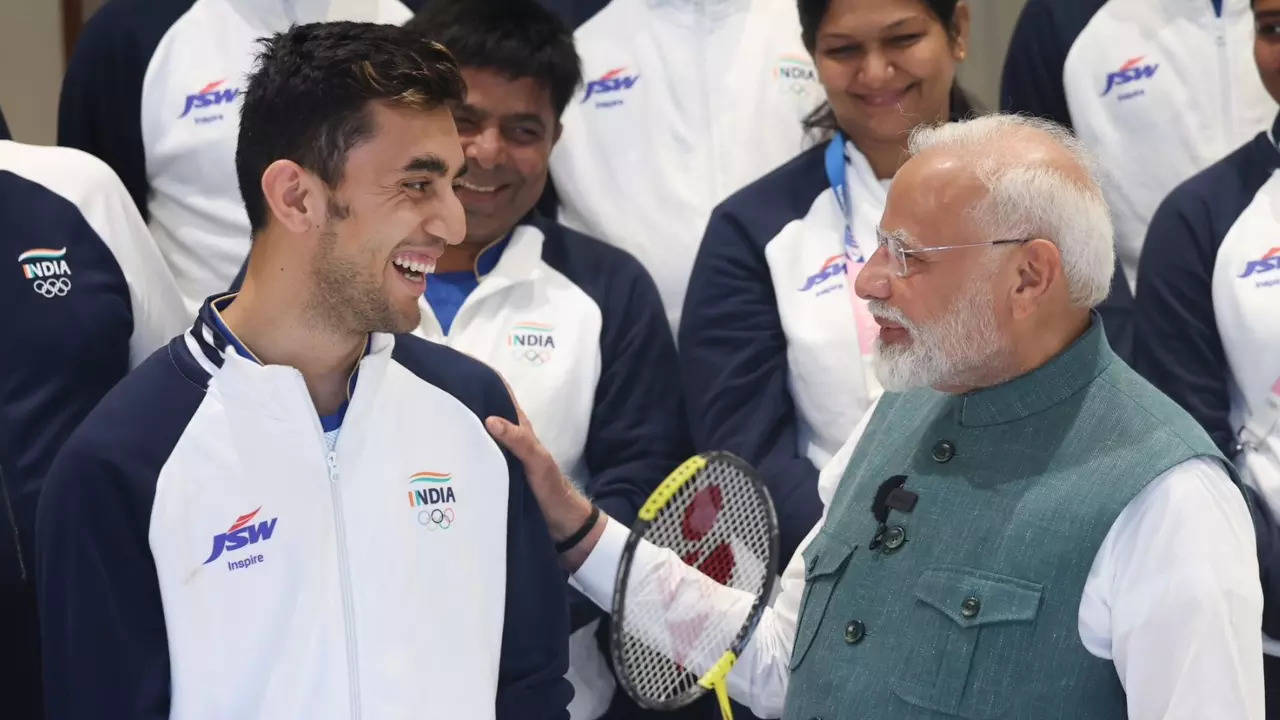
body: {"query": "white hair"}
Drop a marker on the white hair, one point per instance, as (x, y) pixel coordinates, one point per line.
(1027, 196)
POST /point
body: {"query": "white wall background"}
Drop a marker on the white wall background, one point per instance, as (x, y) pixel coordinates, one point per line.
(988, 39)
(31, 68)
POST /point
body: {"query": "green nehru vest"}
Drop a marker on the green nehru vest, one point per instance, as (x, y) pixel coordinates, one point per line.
(967, 605)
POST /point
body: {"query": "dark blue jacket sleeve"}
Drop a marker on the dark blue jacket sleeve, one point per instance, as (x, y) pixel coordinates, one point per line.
(535, 630)
(638, 432)
(1117, 315)
(1178, 348)
(105, 650)
(733, 358)
(100, 108)
(1033, 67)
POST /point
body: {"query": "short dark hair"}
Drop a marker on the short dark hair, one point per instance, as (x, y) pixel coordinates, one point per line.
(307, 98)
(811, 14)
(516, 38)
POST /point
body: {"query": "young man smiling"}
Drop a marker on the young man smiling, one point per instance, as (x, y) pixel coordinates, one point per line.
(291, 511)
(575, 326)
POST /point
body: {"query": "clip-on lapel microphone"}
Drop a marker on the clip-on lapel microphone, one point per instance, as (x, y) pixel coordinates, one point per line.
(890, 495)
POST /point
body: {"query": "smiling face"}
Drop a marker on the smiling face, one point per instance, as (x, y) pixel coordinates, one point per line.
(507, 128)
(887, 65)
(388, 221)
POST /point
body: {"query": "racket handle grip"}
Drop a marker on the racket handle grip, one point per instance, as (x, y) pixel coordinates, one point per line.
(717, 679)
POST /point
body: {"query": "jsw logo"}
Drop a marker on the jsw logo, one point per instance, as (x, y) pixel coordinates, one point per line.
(612, 81)
(209, 95)
(833, 267)
(1129, 72)
(1269, 262)
(240, 534)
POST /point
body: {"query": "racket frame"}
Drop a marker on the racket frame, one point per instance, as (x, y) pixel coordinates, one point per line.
(659, 499)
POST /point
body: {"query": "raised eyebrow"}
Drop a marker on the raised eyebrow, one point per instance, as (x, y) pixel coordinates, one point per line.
(430, 162)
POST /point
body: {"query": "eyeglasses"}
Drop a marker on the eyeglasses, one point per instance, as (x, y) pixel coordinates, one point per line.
(898, 253)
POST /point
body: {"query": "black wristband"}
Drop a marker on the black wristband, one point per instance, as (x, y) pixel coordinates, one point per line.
(568, 543)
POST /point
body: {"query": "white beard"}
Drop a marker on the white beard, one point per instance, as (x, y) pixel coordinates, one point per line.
(963, 348)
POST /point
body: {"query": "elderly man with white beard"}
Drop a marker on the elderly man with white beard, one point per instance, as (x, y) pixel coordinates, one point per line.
(1077, 547)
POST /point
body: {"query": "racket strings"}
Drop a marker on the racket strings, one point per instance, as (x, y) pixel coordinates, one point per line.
(672, 633)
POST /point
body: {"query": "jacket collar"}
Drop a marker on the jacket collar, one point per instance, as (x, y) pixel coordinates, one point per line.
(1064, 375)
(1204, 9)
(521, 261)
(209, 340)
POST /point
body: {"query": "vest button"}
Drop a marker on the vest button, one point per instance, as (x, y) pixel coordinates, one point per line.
(894, 537)
(970, 607)
(944, 451)
(854, 632)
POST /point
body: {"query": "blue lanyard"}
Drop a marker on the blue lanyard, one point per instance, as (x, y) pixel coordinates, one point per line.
(836, 174)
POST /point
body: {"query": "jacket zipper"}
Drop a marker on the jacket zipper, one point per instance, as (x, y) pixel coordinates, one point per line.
(1224, 80)
(714, 172)
(344, 575)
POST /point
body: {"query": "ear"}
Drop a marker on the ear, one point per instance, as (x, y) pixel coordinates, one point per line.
(293, 196)
(1039, 271)
(555, 136)
(960, 35)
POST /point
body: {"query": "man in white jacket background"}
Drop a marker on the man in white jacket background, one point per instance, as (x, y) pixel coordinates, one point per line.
(684, 102)
(155, 87)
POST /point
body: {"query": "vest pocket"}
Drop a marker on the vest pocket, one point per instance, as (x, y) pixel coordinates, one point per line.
(824, 561)
(969, 632)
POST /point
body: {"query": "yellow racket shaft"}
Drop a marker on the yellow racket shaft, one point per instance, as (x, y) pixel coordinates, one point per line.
(717, 679)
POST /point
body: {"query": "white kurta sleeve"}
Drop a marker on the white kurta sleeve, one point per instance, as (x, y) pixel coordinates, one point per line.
(1174, 600)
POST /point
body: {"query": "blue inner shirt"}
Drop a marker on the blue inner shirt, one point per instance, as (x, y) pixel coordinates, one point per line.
(447, 291)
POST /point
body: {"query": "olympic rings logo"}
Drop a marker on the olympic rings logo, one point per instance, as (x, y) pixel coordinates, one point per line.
(436, 518)
(54, 287)
(534, 357)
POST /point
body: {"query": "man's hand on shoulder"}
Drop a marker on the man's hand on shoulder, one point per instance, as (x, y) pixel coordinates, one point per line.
(563, 506)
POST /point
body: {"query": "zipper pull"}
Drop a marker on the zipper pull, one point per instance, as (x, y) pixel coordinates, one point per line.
(332, 461)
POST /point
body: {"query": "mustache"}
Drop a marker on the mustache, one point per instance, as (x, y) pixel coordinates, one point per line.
(885, 311)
